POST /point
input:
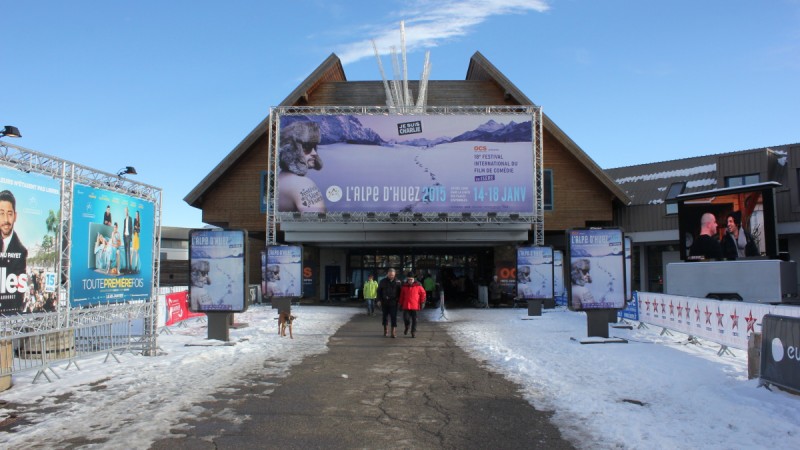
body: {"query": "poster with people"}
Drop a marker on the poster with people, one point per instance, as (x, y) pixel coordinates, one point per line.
(535, 272)
(596, 268)
(112, 247)
(282, 271)
(408, 163)
(218, 270)
(30, 216)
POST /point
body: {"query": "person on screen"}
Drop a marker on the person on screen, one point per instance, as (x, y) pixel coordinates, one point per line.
(102, 253)
(737, 243)
(127, 237)
(137, 228)
(297, 155)
(107, 216)
(116, 245)
(706, 245)
(13, 255)
(580, 277)
(370, 294)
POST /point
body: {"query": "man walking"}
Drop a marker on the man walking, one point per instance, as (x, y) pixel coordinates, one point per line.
(412, 296)
(388, 295)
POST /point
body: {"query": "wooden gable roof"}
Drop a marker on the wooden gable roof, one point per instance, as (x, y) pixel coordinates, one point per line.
(328, 86)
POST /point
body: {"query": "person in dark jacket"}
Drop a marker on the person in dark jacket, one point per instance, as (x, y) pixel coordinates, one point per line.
(388, 295)
(706, 245)
(737, 242)
(412, 299)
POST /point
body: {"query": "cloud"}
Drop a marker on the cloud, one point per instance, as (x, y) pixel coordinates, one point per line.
(429, 23)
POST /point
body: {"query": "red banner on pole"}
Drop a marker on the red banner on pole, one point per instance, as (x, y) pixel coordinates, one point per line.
(178, 309)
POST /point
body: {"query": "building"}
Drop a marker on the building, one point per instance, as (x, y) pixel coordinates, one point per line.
(460, 252)
(651, 220)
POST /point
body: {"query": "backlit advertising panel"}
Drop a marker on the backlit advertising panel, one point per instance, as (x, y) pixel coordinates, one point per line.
(218, 265)
(30, 211)
(535, 272)
(283, 271)
(406, 163)
(112, 247)
(558, 278)
(597, 269)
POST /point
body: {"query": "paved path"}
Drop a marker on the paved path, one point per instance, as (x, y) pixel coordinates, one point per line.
(369, 391)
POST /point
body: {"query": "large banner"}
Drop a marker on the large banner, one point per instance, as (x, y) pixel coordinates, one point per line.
(780, 351)
(724, 322)
(30, 215)
(112, 247)
(178, 308)
(218, 264)
(408, 163)
(597, 269)
(283, 271)
(535, 272)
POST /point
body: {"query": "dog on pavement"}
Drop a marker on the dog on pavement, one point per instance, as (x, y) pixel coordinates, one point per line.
(285, 319)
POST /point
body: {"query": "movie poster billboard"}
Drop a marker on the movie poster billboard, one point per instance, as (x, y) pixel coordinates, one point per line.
(597, 269)
(218, 265)
(415, 163)
(112, 247)
(558, 278)
(535, 272)
(30, 215)
(283, 271)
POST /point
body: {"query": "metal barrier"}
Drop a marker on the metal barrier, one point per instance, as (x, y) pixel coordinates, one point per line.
(38, 341)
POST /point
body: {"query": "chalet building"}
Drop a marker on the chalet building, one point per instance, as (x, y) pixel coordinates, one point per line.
(576, 193)
(651, 219)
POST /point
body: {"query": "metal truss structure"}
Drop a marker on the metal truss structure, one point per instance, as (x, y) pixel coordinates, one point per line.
(70, 174)
(536, 219)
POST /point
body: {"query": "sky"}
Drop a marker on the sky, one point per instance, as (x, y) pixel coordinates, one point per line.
(654, 392)
(172, 87)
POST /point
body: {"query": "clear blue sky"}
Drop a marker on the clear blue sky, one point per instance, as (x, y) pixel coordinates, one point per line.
(171, 87)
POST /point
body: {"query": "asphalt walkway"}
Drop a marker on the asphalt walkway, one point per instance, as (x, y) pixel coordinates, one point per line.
(369, 391)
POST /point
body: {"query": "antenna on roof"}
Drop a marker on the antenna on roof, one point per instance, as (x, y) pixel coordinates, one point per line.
(398, 96)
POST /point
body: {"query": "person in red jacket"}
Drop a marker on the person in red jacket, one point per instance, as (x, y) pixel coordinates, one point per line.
(412, 298)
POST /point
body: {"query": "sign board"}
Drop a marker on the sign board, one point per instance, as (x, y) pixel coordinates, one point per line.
(283, 271)
(535, 272)
(780, 351)
(558, 278)
(597, 269)
(417, 163)
(218, 265)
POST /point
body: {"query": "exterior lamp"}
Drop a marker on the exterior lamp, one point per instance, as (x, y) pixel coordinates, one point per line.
(10, 131)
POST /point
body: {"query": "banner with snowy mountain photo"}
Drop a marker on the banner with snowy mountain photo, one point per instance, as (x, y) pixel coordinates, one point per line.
(406, 163)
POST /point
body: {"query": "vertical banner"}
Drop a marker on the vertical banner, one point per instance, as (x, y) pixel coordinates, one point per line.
(628, 268)
(558, 278)
(218, 264)
(112, 247)
(535, 272)
(30, 215)
(284, 271)
(597, 269)
(780, 351)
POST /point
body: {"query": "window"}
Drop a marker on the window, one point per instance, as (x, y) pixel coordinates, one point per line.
(548, 190)
(675, 189)
(742, 180)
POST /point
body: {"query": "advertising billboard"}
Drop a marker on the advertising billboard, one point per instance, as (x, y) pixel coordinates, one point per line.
(597, 269)
(282, 271)
(30, 214)
(406, 163)
(218, 265)
(628, 268)
(558, 278)
(535, 272)
(112, 247)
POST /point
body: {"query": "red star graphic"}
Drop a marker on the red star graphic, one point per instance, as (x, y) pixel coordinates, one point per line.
(663, 307)
(719, 318)
(697, 313)
(680, 311)
(735, 319)
(708, 316)
(671, 309)
(647, 302)
(751, 322)
(687, 310)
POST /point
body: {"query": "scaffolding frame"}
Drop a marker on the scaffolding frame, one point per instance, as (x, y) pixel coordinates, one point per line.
(70, 174)
(274, 217)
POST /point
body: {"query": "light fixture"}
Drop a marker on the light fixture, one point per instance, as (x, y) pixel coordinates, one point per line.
(297, 215)
(321, 215)
(418, 215)
(443, 215)
(346, 215)
(466, 215)
(371, 215)
(491, 214)
(127, 170)
(394, 215)
(10, 131)
(513, 216)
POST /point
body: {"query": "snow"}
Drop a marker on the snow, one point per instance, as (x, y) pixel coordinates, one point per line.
(653, 392)
(678, 173)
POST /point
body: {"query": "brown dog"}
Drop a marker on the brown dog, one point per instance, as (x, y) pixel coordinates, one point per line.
(285, 319)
